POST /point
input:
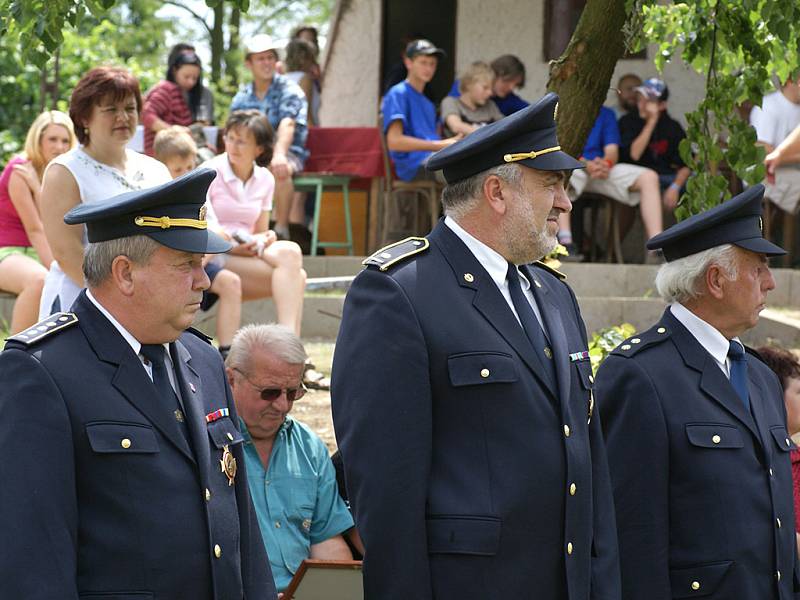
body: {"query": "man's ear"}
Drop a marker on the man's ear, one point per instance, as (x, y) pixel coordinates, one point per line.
(715, 279)
(122, 273)
(229, 374)
(495, 192)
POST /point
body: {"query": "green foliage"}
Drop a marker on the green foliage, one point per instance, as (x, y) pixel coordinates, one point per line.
(605, 340)
(737, 45)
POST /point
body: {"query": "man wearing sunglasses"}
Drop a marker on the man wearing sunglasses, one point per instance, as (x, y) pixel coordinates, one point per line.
(291, 477)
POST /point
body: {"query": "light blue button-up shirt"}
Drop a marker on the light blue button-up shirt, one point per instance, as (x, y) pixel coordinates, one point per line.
(284, 99)
(296, 499)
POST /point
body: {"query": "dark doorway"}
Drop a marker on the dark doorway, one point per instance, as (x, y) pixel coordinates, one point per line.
(433, 20)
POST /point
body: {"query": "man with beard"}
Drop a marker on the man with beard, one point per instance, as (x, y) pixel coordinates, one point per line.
(462, 391)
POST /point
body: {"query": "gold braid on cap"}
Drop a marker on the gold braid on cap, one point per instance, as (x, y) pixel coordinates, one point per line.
(167, 222)
(532, 154)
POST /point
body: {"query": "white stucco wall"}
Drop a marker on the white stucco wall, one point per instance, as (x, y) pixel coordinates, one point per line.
(484, 30)
(352, 73)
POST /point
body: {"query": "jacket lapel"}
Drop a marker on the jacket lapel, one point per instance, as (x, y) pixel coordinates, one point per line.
(712, 380)
(191, 390)
(130, 379)
(487, 299)
(554, 327)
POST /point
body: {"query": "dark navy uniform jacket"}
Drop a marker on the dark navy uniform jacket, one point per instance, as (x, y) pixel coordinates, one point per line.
(471, 479)
(86, 515)
(703, 488)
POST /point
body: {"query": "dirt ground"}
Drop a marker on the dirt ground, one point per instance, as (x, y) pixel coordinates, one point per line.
(314, 409)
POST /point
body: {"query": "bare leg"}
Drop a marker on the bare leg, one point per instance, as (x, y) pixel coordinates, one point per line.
(282, 204)
(647, 186)
(228, 287)
(297, 214)
(279, 273)
(24, 277)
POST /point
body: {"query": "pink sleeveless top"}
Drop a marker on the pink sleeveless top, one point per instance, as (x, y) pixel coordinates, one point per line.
(12, 232)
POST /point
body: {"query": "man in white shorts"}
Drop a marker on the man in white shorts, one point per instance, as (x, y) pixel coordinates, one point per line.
(628, 184)
(774, 120)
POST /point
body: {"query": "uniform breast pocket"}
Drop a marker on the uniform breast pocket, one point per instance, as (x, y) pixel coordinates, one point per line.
(121, 438)
(716, 436)
(481, 368)
(224, 433)
(781, 437)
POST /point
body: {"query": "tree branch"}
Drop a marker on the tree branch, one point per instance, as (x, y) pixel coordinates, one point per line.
(190, 11)
(282, 8)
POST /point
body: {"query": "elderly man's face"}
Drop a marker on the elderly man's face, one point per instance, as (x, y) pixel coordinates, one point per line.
(745, 297)
(167, 292)
(264, 370)
(531, 222)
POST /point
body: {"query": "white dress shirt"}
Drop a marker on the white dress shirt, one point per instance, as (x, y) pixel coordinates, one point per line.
(135, 344)
(497, 268)
(707, 335)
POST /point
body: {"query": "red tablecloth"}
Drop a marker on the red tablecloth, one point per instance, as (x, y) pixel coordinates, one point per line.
(352, 151)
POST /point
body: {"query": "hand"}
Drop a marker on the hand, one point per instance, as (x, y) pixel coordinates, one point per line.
(671, 197)
(280, 166)
(27, 173)
(772, 162)
(248, 249)
(267, 238)
(450, 141)
(651, 110)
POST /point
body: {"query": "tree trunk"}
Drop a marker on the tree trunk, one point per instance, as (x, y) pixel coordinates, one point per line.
(232, 56)
(217, 42)
(582, 75)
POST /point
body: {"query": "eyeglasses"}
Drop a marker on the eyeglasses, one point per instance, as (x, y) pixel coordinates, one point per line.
(272, 394)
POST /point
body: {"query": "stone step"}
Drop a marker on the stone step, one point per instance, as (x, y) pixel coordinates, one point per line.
(587, 279)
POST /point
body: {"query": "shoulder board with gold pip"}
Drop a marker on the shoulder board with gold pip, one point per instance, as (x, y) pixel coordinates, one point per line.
(49, 326)
(394, 253)
(550, 270)
(655, 335)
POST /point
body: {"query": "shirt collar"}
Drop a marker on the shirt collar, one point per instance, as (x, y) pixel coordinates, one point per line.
(286, 426)
(226, 170)
(710, 338)
(491, 260)
(135, 344)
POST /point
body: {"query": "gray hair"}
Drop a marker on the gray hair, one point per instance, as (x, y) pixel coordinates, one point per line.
(679, 280)
(99, 256)
(277, 340)
(462, 196)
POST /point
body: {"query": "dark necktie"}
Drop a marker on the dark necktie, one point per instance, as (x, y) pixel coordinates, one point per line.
(156, 355)
(736, 355)
(530, 324)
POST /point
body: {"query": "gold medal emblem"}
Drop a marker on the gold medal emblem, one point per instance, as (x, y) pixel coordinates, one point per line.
(228, 464)
(179, 416)
(202, 215)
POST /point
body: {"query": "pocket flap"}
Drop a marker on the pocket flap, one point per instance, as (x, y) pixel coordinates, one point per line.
(463, 534)
(475, 368)
(697, 581)
(224, 433)
(713, 435)
(585, 374)
(123, 438)
(781, 437)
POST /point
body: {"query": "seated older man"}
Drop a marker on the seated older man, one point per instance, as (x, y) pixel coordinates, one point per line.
(292, 480)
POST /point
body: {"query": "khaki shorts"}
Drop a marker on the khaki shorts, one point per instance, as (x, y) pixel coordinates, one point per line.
(618, 185)
(785, 192)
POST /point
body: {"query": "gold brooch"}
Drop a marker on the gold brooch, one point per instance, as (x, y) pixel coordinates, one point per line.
(228, 464)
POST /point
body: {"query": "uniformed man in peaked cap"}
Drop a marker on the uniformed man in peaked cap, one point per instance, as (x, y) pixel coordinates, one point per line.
(122, 473)
(695, 424)
(462, 392)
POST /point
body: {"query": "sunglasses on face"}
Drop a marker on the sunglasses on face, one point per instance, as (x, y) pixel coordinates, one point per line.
(272, 394)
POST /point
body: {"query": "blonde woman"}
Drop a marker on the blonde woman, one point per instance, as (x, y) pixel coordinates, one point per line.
(25, 254)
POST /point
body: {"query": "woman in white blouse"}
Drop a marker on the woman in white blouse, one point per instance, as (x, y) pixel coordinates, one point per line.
(105, 108)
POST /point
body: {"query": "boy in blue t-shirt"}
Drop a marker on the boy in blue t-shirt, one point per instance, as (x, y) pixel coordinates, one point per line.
(409, 118)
